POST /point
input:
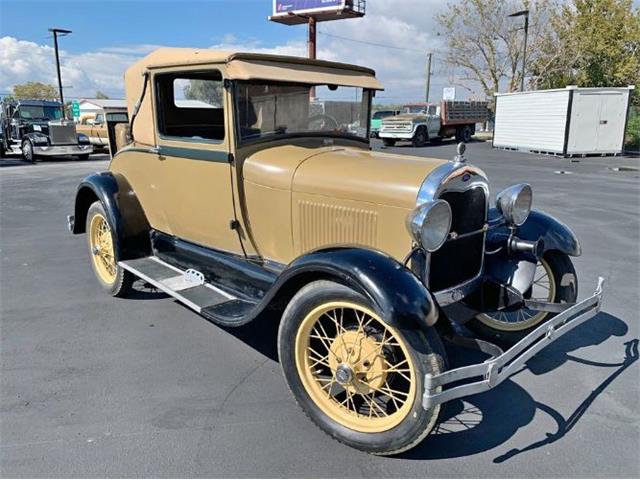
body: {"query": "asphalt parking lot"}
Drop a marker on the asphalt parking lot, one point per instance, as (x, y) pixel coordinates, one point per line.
(93, 386)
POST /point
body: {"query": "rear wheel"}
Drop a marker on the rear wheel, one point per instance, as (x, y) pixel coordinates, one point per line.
(357, 378)
(554, 281)
(420, 138)
(388, 142)
(113, 278)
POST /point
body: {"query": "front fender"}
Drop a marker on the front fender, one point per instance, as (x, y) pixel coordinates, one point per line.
(398, 296)
(555, 234)
(36, 138)
(124, 213)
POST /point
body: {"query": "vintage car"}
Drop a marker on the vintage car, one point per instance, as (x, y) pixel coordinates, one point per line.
(246, 200)
(100, 126)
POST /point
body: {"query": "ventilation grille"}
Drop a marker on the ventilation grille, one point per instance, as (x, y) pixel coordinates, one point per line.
(322, 225)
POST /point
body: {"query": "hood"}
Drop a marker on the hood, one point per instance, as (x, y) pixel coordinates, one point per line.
(342, 172)
(406, 117)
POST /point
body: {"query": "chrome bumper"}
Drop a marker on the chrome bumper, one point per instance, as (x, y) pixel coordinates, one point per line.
(497, 369)
(54, 150)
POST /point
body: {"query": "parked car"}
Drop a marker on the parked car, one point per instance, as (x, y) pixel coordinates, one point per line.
(376, 120)
(100, 127)
(35, 128)
(423, 122)
(252, 201)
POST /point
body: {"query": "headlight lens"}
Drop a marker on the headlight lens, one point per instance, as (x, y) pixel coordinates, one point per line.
(83, 138)
(429, 224)
(514, 203)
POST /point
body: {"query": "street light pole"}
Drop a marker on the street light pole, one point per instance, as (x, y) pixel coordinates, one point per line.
(428, 75)
(524, 13)
(61, 32)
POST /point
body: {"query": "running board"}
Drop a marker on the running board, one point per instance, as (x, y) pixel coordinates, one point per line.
(190, 288)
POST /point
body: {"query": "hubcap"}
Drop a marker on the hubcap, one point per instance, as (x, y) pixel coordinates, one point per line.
(354, 367)
(101, 246)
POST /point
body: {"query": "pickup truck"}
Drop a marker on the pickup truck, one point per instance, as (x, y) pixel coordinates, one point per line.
(420, 123)
(100, 127)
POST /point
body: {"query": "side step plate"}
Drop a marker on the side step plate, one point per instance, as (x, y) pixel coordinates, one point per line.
(185, 286)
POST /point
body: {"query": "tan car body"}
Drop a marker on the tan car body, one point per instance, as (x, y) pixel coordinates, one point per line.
(98, 133)
(294, 196)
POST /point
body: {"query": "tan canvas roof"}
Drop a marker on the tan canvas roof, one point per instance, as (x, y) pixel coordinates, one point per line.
(243, 66)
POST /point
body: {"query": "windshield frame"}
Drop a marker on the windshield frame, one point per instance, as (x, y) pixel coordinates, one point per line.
(274, 137)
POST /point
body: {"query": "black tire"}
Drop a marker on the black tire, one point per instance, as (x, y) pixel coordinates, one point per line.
(388, 142)
(466, 134)
(427, 356)
(124, 279)
(420, 138)
(1, 149)
(84, 156)
(27, 152)
(566, 291)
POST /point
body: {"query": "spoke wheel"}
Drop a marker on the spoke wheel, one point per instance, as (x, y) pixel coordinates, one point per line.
(101, 246)
(354, 367)
(543, 289)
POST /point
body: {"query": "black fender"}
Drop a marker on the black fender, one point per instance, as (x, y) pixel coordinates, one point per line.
(124, 213)
(396, 294)
(517, 271)
(37, 139)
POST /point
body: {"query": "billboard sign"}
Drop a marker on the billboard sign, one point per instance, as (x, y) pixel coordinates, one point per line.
(449, 93)
(284, 7)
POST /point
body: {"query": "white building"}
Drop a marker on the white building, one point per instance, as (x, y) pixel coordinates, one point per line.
(93, 106)
(567, 121)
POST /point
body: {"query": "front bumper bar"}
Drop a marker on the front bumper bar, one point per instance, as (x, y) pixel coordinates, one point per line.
(56, 150)
(497, 369)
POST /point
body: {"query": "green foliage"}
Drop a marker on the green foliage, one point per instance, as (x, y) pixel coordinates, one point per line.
(101, 96)
(207, 91)
(591, 43)
(632, 137)
(35, 91)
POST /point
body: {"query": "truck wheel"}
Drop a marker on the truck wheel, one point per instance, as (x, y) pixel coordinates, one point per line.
(555, 281)
(388, 142)
(354, 376)
(113, 278)
(1, 149)
(84, 156)
(27, 151)
(465, 135)
(420, 138)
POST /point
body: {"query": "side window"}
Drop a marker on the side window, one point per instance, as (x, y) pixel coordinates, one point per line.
(99, 119)
(432, 109)
(190, 105)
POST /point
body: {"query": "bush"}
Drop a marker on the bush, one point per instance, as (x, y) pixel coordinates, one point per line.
(632, 135)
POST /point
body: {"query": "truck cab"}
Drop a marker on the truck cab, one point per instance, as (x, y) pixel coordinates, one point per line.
(36, 128)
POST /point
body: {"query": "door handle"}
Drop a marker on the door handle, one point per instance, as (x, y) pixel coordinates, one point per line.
(603, 122)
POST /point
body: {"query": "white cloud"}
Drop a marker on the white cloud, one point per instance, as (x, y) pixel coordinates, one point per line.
(409, 25)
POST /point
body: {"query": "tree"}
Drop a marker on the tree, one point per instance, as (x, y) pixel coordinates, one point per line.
(485, 45)
(101, 96)
(207, 91)
(599, 45)
(35, 90)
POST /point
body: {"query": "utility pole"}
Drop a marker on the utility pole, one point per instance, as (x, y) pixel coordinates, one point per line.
(62, 33)
(312, 44)
(428, 75)
(525, 14)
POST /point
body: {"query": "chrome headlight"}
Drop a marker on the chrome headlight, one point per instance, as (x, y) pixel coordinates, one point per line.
(514, 203)
(429, 224)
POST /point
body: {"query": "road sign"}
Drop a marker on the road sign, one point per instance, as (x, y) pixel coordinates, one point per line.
(75, 109)
(449, 93)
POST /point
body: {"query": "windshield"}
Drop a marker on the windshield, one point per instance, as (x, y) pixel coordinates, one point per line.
(268, 109)
(29, 112)
(383, 114)
(415, 109)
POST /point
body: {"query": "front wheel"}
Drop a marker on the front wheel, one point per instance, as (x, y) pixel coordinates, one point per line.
(420, 138)
(554, 281)
(113, 278)
(388, 142)
(27, 151)
(357, 378)
(84, 156)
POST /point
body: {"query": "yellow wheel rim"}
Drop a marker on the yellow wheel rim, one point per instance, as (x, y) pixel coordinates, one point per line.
(543, 289)
(355, 368)
(101, 248)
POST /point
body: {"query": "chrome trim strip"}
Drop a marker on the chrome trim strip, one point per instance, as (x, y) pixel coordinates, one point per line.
(498, 369)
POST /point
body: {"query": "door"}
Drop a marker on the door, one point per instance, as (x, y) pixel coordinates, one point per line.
(613, 111)
(99, 130)
(193, 144)
(584, 123)
(434, 121)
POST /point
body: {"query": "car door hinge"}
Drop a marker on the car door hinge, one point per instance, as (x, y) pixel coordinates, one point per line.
(231, 158)
(234, 224)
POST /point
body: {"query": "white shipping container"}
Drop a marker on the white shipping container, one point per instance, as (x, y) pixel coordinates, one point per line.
(568, 121)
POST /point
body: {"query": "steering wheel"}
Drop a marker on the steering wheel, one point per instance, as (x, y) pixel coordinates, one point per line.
(327, 122)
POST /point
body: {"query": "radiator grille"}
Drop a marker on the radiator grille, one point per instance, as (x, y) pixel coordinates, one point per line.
(322, 224)
(460, 260)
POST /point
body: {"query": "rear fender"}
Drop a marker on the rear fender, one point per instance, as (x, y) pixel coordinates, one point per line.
(124, 213)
